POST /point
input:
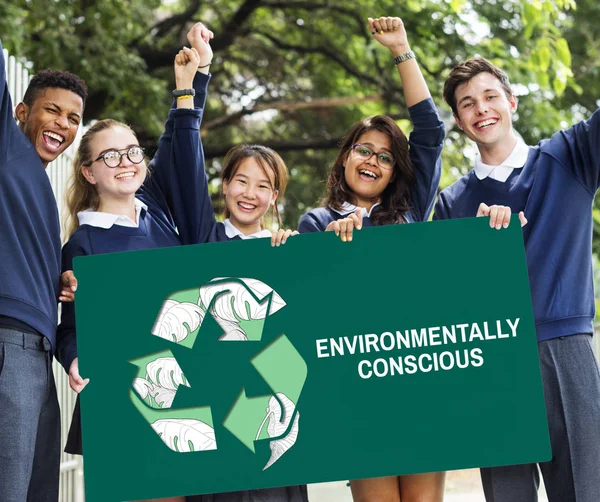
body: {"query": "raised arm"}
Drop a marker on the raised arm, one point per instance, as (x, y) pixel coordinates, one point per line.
(390, 32)
(579, 151)
(178, 166)
(427, 138)
(8, 125)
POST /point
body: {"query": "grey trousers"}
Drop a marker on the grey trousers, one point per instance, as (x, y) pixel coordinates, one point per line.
(571, 380)
(29, 419)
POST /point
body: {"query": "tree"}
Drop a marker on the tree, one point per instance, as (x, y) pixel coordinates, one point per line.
(296, 74)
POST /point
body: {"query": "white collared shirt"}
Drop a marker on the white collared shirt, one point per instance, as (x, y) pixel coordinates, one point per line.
(107, 220)
(516, 160)
(348, 208)
(232, 231)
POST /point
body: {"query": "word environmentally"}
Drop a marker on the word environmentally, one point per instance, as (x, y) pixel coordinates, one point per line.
(466, 333)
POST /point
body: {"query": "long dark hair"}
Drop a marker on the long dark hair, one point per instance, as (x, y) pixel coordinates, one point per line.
(395, 199)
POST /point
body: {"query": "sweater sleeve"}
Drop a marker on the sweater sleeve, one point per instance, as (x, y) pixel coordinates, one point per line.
(178, 172)
(8, 125)
(425, 148)
(310, 223)
(441, 211)
(66, 339)
(582, 148)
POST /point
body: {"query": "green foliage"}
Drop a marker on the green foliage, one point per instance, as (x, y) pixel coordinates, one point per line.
(296, 74)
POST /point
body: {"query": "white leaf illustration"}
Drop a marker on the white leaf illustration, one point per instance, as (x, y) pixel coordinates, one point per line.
(176, 320)
(232, 330)
(142, 387)
(163, 397)
(165, 372)
(238, 303)
(186, 435)
(277, 427)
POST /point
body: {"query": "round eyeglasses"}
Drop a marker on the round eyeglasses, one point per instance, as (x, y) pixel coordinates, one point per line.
(113, 158)
(363, 152)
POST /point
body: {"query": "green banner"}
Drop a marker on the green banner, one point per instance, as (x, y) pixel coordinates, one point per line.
(231, 366)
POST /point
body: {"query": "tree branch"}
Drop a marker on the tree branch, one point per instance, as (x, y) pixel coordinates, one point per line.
(212, 151)
(311, 6)
(323, 51)
(158, 58)
(286, 105)
(161, 28)
(232, 30)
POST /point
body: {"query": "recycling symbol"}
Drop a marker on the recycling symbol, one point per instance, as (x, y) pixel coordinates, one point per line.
(240, 308)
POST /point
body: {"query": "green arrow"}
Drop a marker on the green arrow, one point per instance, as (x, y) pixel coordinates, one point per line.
(245, 417)
(282, 367)
(151, 415)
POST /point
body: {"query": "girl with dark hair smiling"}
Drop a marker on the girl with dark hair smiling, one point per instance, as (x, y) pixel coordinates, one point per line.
(381, 178)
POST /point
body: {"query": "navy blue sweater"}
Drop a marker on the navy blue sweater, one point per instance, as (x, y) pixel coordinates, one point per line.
(425, 147)
(556, 190)
(29, 228)
(156, 226)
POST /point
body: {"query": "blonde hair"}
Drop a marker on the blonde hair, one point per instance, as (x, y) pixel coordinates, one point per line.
(81, 194)
(267, 159)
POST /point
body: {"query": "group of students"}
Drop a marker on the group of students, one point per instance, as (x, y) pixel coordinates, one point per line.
(118, 203)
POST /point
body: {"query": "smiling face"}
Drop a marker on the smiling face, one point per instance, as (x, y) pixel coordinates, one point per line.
(120, 182)
(484, 113)
(365, 177)
(248, 195)
(51, 122)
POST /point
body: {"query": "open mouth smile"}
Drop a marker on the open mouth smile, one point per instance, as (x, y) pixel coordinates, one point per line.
(367, 175)
(484, 124)
(52, 140)
(246, 207)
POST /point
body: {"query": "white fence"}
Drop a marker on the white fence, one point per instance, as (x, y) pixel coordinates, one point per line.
(71, 471)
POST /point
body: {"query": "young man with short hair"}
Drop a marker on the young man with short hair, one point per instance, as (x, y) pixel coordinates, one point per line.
(554, 183)
(30, 250)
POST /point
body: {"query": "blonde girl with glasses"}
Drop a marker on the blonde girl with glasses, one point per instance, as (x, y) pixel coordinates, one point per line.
(115, 204)
(381, 178)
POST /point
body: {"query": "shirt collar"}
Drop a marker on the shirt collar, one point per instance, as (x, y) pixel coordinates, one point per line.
(232, 231)
(107, 220)
(348, 208)
(515, 160)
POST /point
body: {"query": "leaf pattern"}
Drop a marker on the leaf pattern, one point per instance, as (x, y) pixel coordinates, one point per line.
(165, 372)
(163, 397)
(185, 434)
(176, 320)
(238, 303)
(277, 427)
(232, 330)
(142, 387)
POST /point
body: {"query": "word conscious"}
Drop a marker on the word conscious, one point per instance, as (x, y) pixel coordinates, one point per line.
(422, 338)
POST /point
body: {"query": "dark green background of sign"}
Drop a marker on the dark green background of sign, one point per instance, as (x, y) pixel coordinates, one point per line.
(389, 278)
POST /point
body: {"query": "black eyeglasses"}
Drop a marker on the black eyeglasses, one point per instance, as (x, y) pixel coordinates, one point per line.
(113, 158)
(385, 160)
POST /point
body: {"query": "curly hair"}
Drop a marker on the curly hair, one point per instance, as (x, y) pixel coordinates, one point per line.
(47, 79)
(395, 199)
